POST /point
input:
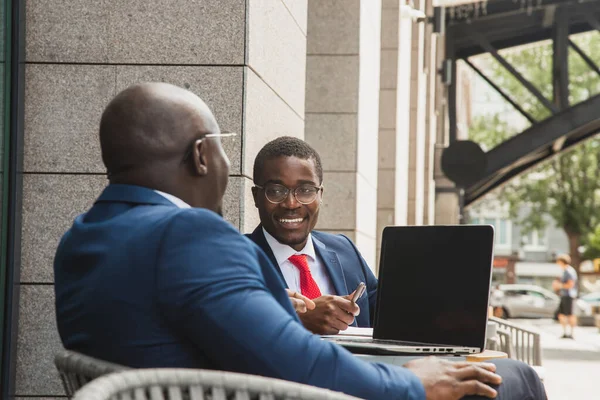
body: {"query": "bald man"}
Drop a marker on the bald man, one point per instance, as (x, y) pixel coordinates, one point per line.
(152, 276)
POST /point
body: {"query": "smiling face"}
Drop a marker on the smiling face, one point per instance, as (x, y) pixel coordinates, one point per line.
(289, 222)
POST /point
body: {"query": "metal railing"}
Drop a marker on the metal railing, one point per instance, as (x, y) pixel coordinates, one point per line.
(519, 343)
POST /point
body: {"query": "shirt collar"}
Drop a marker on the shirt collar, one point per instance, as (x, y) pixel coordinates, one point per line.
(175, 200)
(282, 251)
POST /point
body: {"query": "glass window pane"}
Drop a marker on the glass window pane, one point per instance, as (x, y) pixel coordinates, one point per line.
(541, 238)
(501, 232)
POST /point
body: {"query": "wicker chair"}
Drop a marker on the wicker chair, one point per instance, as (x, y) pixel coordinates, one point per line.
(76, 369)
(188, 384)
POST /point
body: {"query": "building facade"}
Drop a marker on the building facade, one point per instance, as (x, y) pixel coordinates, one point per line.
(357, 79)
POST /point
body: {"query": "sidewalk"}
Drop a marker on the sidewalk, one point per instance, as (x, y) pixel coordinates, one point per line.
(571, 366)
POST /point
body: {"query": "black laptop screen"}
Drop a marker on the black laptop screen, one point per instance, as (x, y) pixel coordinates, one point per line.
(434, 284)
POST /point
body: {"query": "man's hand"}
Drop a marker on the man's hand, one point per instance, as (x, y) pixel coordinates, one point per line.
(301, 303)
(331, 314)
(451, 380)
(556, 284)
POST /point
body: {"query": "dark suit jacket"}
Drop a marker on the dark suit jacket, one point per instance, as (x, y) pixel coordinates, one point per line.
(345, 266)
(143, 283)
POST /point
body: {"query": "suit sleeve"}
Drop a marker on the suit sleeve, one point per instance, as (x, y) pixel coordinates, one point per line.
(371, 281)
(211, 289)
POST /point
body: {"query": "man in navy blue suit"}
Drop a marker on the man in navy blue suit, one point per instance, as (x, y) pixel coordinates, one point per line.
(288, 191)
(153, 276)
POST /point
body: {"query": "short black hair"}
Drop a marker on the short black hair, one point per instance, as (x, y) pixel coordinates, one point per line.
(286, 146)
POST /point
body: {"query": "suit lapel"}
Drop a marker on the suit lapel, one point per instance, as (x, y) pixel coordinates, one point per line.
(333, 265)
(258, 237)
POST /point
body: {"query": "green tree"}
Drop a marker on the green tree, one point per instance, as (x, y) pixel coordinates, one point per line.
(593, 244)
(567, 188)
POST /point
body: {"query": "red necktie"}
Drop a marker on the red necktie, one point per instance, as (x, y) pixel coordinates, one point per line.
(308, 286)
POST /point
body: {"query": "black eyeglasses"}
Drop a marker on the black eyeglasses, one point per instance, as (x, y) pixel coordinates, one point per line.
(304, 194)
(190, 148)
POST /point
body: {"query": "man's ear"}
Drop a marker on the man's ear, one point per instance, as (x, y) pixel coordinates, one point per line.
(200, 157)
(255, 195)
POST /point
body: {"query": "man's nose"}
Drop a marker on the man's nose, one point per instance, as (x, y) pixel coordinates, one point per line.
(290, 201)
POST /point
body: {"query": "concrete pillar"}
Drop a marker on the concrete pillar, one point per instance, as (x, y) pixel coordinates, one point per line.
(430, 70)
(418, 91)
(386, 181)
(342, 108)
(246, 59)
(447, 201)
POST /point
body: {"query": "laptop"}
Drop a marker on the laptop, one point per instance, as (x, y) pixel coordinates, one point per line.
(433, 292)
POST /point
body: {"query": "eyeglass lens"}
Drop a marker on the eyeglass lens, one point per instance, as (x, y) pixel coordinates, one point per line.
(304, 194)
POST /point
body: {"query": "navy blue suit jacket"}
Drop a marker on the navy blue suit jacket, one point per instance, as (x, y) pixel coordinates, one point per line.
(346, 268)
(143, 283)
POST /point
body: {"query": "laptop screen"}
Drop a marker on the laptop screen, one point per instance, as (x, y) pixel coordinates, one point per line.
(434, 284)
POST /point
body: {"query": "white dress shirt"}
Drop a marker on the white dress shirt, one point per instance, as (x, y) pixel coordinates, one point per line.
(175, 200)
(291, 273)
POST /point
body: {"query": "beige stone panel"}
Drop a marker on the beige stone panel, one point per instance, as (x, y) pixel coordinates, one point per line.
(233, 201)
(176, 32)
(386, 189)
(412, 183)
(411, 213)
(446, 209)
(299, 10)
(333, 26)
(220, 87)
(334, 136)
(266, 117)
(338, 211)
(385, 217)
(387, 4)
(136, 31)
(389, 29)
(401, 177)
(63, 105)
(37, 343)
(387, 109)
(67, 31)
(437, 161)
(276, 49)
(50, 205)
(332, 84)
(389, 69)
(250, 218)
(387, 149)
(430, 203)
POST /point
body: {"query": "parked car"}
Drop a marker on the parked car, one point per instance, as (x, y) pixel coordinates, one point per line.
(593, 299)
(530, 301)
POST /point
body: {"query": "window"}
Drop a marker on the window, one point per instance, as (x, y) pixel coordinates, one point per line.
(535, 241)
(502, 229)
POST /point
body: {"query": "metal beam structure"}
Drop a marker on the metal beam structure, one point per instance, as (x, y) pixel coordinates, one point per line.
(498, 24)
(487, 46)
(560, 58)
(534, 145)
(500, 91)
(585, 57)
(506, 24)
